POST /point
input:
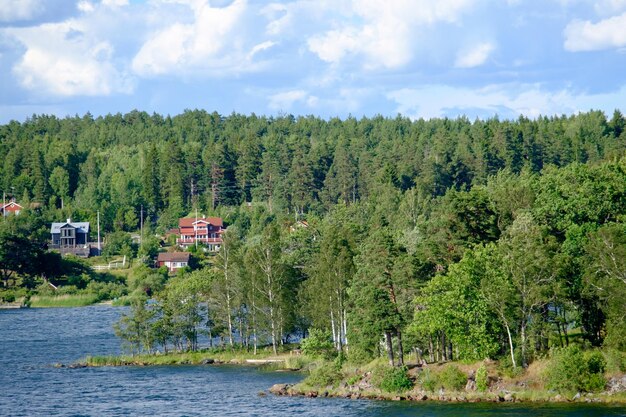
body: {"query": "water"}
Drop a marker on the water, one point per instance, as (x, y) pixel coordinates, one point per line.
(32, 340)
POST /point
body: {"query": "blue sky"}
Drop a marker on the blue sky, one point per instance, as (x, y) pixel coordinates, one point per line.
(419, 58)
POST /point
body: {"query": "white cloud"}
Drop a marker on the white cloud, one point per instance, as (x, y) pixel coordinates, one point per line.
(260, 47)
(211, 41)
(62, 59)
(285, 100)
(609, 7)
(280, 17)
(115, 3)
(388, 31)
(85, 6)
(587, 36)
(475, 56)
(530, 100)
(15, 10)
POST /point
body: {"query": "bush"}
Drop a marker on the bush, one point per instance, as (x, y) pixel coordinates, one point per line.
(8, 297)
(572, 370)
(615, 361)
(391, 379)
(358, 355)
(452, 378)
(106, 290)
(428, 380)
(328, 374)
(482, 379)
(318, 345)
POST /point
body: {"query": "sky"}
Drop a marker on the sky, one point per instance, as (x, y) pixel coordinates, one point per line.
(329, 58)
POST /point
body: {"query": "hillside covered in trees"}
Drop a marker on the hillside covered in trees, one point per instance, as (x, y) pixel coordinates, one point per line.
(465, 239)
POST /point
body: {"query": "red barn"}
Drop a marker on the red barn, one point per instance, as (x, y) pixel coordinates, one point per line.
(205, 230)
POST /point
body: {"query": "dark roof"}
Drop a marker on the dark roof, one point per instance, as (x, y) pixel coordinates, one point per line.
(189, 221)
(173, 257)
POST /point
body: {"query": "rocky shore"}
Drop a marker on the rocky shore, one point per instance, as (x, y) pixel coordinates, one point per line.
(615, 393)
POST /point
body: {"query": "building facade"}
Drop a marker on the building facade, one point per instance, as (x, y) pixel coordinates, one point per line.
(173, 260)
(202, 230)
(71, 237)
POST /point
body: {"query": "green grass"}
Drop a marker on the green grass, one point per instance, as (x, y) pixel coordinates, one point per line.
(66, 300)
(192, 358)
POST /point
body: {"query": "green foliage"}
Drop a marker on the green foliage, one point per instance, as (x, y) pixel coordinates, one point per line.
(391, 379)
(318, 344)
(107, 290)
(452, 378)
(571, 369)
(428, 380)
(327, 374)
(119, 243)
(482, 378)
(454, 303)
(615, 360)
(63, 300)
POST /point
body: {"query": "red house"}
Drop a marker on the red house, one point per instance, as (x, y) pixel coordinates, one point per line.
(205, 230)
(10, 208)
(173, 260)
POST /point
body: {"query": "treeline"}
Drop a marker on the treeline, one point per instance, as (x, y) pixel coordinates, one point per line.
(458, 239)
(170, 165)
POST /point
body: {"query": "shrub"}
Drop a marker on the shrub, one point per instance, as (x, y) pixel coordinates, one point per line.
(318, 345)
(358, 355)
(452, 378)
(596, 364)
(482, 379)
(106, 290)
(9, 297)
(572, 370)
(328, 374)
(67, 290)
(391, 379)
(615, 361)
(428, 380)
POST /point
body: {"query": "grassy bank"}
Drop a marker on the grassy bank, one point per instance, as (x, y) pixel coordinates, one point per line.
(65, 300)
(211, 356)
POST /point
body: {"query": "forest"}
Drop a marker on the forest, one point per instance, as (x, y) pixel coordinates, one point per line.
(458, 239)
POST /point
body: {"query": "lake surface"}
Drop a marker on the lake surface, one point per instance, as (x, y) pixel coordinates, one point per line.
(32, 340)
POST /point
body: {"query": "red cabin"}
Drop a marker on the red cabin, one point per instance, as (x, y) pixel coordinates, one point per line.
(173, 260)
(10, 208)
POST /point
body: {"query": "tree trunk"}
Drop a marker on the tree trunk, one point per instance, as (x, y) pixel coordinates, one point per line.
(431, 349)
(345, 328)
(254, 334)
(332, 328)
(444, 347)
(508, 332)
(389, 343)
(564, 324)
(400, 350)
(523, 342)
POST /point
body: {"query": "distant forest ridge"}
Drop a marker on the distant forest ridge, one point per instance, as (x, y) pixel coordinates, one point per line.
(172, 165)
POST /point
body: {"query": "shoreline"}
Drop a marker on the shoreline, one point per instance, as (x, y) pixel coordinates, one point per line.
(281, 362)
(527, 396)
(616, 393)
